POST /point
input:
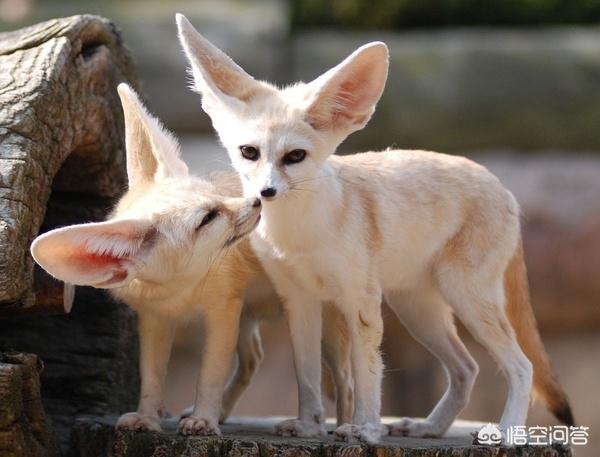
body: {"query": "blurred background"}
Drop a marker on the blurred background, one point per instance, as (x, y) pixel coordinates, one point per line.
(514, 84)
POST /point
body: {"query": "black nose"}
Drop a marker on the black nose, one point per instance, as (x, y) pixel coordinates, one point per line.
(256, 203)
(268, 192)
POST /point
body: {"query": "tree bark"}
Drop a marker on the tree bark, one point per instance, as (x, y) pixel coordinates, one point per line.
(62, 162)
(24, 429)
(61, 131)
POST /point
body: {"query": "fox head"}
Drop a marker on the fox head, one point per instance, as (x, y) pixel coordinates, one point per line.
(168, 225)
(278, 139)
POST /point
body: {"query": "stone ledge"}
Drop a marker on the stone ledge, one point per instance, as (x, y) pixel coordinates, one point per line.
(253, 437)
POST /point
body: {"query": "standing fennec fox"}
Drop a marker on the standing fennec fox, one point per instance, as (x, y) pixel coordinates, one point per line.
(174, 248)
(438, 236)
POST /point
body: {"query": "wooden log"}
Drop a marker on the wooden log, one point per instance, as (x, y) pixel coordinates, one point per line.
(24, 428)
(62, 161)
(252, 437)
(90, 358)
(61, 132)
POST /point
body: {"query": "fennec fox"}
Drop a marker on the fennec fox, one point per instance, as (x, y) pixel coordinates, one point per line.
(174, 248)
(438, 236)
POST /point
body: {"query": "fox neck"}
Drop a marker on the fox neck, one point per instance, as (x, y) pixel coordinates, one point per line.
(150, 293)
(174, 290)
(299, 220)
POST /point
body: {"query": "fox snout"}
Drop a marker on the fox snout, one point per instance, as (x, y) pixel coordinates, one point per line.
(245, 216)
(241, 205)
(269, 183)
(268, 192)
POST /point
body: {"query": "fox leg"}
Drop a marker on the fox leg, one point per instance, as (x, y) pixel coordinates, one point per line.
(430, 321)
(221, 334)
(156, 339)
(366, 330)
(250, 354)
(305, 321)
(337, 354)
(480, 306)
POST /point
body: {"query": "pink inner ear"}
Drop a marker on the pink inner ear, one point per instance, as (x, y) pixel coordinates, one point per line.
(346, 102)
(92, 262)
(102, 254)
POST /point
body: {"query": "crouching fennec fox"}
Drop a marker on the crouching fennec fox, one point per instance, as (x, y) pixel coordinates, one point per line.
(437, 235)
(174, 247)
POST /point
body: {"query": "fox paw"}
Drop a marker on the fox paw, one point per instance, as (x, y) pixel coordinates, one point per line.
(297, 427)
(137, 421)
(416, 428)
(192, 425)
(351, 433)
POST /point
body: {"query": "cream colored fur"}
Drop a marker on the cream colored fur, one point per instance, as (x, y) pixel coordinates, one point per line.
(156, 254)
(433, 233)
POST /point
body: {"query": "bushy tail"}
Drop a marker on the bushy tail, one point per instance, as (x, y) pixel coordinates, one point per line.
(520, 314)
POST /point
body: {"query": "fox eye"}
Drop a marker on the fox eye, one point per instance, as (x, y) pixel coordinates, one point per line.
(209, 217)
(250, 152)
(295, 156)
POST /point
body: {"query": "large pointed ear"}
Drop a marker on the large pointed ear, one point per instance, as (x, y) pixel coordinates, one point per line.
(105, 254)
(344, 98)
(152, 151)
(216, 75)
